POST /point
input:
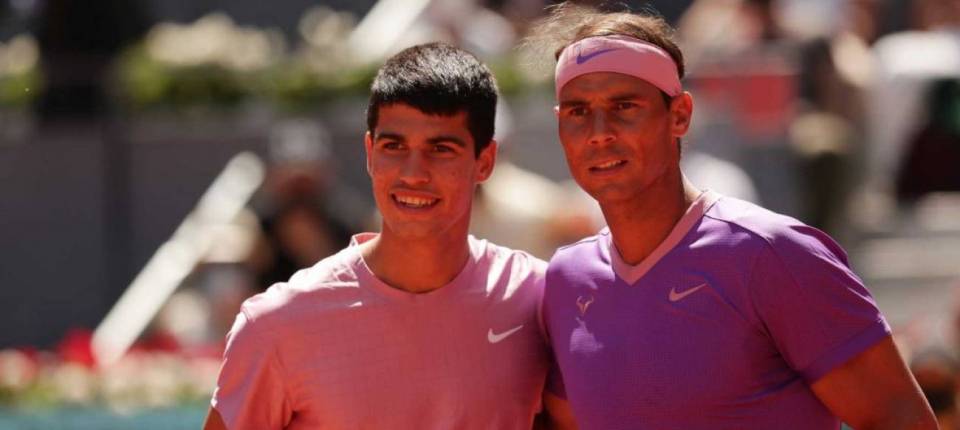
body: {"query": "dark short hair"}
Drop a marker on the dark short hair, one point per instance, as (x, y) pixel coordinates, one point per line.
(438, 79)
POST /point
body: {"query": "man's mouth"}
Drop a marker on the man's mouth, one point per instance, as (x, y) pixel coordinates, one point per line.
(609, 165)
(414, 202)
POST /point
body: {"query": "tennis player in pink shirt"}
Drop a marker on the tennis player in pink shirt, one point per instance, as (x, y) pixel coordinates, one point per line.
(421, 326)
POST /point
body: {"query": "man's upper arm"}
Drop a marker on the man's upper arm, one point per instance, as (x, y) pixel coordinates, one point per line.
(250, 391)
(875, 390)
(828, 328)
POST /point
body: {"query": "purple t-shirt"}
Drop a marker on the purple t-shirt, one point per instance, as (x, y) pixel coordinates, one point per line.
(724, 326)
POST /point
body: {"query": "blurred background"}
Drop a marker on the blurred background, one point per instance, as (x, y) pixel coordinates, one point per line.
(162, 160)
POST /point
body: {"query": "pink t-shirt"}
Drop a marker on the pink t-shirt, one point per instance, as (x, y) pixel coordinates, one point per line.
(336, 348)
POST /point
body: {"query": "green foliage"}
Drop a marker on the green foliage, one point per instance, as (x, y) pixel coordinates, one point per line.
(291, 83)
(149, 83)
(19, 90)
(296, 87)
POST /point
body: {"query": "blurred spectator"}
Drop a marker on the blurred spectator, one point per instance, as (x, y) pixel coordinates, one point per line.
(932, 158)
(298, 235)
(298, 229)
(863, 20)
(822, 142)
(936, 372)
(935, 14)
(827, 134)
(742, 71)
(906, 63)
(717, 28)
(514, 207)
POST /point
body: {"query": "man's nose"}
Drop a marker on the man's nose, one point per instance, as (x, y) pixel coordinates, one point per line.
(415, 169)
(600, 130)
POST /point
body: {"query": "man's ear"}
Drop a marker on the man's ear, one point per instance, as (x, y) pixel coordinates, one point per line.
(486, 160)
(681, 113)
(368, 145)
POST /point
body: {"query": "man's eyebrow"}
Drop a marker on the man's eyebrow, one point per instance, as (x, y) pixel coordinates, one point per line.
(390, 136)
(616, 98)
(573, 102)
(626, 96)
(447, 139)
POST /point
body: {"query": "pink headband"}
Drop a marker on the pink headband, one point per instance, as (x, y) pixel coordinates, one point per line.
(620, 54)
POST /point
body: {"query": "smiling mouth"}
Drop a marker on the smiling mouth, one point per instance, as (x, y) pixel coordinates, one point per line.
(609, 165)
(415, 202)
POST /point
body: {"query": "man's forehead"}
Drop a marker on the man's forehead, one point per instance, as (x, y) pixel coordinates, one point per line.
(402, 114)
(405, 122)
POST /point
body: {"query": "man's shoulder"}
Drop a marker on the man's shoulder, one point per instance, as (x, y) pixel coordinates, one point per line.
(757, 220)
(586, 258)
(504, 272)
(778, 233)
(330, 281)
(589, 244)
(500, 256)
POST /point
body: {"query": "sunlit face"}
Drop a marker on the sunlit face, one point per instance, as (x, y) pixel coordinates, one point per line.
(424, 171)
(618, 134)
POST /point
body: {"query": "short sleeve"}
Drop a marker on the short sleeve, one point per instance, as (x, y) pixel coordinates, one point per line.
(250, 392)
(817, 311)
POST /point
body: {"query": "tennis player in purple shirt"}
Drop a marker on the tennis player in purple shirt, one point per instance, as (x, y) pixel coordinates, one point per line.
(694, 310)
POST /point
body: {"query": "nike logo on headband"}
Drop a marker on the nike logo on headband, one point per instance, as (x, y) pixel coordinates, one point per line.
(584, 58)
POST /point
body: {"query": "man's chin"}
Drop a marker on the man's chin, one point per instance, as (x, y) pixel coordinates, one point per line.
(612, 194)
(415, 230)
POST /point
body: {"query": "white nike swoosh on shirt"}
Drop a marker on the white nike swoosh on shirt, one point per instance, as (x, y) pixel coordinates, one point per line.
(495, 338)
(675, 296)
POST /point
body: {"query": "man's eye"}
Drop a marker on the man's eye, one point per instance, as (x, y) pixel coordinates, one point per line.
(625, 105)
(442, 149)
(577, 111)
(391, 146)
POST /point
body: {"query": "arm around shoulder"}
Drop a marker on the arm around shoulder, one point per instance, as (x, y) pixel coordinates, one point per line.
(559, 414)
(875, 390)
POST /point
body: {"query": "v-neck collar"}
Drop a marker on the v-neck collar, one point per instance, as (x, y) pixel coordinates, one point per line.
(632, 273)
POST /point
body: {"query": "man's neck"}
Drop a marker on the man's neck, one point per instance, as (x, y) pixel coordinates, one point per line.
(640, 224)
(416, 265)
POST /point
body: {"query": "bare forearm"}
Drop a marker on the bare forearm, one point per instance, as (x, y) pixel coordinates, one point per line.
(917, 417)
(875, 391)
